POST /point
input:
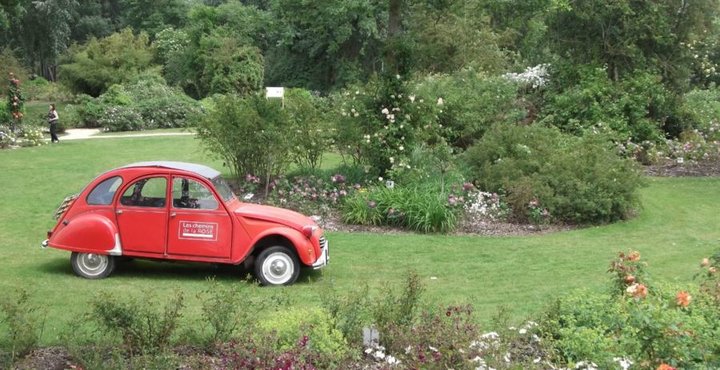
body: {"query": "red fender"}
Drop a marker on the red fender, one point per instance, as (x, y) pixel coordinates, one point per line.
(303, 246)
(89, 233)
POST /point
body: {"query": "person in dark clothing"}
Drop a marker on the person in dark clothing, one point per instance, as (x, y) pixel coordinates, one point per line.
(53, 120)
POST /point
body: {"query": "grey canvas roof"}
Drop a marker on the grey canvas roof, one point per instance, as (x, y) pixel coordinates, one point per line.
(199, 169)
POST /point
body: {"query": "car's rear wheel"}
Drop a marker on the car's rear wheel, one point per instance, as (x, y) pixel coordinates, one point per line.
(277, 265)
(92, 265)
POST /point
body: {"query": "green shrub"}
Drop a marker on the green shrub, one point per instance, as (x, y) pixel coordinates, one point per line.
(349, 312)
(228, 309)
(428, 164)
(38, 88)
(85, 111)
(577, 180)
(464, 117)
(20, 326)
(701, 110)
(311, 131)
(398, 308)
(143, 325)
(160, 105)
(250, 134)
(292, 325)
(93, 67)
(143, 104)
(631, 109)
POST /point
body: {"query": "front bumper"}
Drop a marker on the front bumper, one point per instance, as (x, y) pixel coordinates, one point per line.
(44, 244)
(324, 256)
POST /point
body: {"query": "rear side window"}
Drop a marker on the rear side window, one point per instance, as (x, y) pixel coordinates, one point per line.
(147, 192)
(104, 192)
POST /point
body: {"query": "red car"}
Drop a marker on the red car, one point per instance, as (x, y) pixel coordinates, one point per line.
(182, 212)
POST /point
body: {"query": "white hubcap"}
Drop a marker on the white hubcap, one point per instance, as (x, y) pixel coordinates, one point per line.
(92, 264)
(278, 268)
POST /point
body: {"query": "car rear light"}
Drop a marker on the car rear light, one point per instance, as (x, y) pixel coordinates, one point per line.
(309, 230)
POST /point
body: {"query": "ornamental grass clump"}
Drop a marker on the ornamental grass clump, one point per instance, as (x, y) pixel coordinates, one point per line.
(417, 208)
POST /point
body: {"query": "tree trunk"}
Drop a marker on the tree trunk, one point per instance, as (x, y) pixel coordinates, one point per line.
(394, 31)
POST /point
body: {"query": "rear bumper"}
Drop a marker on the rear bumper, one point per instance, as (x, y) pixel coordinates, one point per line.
(324, 257)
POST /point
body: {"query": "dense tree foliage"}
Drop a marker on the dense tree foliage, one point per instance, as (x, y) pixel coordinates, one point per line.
(93, 67)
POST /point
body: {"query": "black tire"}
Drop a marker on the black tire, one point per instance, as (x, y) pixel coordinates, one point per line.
(91, 265)
(277, 265)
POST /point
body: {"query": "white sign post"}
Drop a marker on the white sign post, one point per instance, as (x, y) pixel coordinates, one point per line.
(275, 92)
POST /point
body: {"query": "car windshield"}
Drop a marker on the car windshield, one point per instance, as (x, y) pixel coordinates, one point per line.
(223, 189)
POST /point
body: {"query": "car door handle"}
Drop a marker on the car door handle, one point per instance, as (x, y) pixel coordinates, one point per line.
(173, 214)
(119, 211)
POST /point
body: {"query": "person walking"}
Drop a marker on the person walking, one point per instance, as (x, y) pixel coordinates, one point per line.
(53, 120)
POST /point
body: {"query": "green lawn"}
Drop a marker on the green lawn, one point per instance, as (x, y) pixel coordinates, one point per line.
(678, 225)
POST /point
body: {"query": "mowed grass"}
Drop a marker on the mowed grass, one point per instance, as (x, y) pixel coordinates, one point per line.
(678, 225)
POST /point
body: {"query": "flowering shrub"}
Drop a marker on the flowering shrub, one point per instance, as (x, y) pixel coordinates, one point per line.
(653, 326)
(121, 118)
(7, 137)
(483, 206)
(15, 102)
(628, 274)
(383, 120)
(695, 145)
(709, 278)
(537, 213)
(312, 195)
(32, 136)
(533, 77)
(701, 110)
(258, 352)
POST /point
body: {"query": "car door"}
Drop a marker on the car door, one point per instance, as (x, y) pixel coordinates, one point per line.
(199, 225)
(142, 215)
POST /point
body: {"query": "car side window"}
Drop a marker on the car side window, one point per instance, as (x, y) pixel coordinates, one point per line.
(147, 192)
(189, 193)
(104, 192)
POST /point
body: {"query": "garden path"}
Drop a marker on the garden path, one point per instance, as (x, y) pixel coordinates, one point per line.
(92, 133)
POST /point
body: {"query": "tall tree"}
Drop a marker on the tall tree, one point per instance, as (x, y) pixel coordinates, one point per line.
(320, 45)
(44, 33)
(626, 35)
(92, 67)
(152, 16)
(447, 35)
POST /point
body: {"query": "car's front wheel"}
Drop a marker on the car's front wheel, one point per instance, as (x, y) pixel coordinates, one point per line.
(277, 265)
(92, 265)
